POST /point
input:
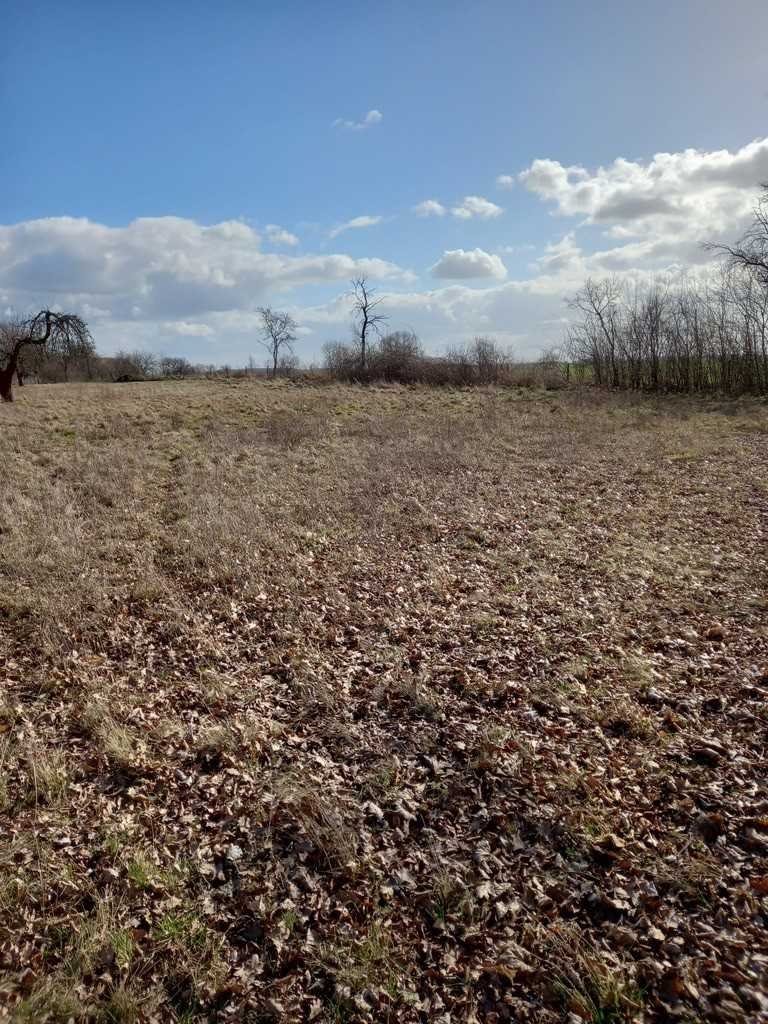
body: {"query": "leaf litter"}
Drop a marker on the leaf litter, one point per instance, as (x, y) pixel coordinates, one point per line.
(447, 710)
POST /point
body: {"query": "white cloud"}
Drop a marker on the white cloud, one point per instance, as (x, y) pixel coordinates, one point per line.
(187, 329)
(371, 118)
(173, 285)
(429, 208)
(158, 269)
(514, 312)
(505, 181)
(476, 206)
(366, 221)
(279, 236)
(670, 203)
(560, 256)
(514, 249)
(95, 312)
(460, 264)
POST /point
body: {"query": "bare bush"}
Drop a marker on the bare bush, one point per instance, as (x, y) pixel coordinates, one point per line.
(399, 357)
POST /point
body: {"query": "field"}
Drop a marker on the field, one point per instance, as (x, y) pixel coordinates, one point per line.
(337, 704)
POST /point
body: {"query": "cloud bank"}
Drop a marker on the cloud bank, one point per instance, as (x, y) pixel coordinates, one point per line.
(660, 211)
(162, 282)
(157, 268)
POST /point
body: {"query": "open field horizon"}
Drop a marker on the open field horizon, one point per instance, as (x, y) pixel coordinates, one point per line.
(384, 513)
(335, 703)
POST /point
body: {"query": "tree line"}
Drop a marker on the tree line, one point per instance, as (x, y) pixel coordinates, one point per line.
(62, 358)
(69, 354)
(696, 335)
(690, 336)
(709, 334)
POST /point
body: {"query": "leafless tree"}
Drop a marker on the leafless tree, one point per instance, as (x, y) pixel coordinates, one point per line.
(366, 318)
(488, 359)
(278, 333)
(34, 361)
(555, 369)
(596, 338)
(176, 366)
(751, 251)
(681, 337)
(8, 332)
(62, 335)
(145, 362)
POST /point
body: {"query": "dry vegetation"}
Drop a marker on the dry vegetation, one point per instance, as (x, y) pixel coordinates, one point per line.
(391, 704)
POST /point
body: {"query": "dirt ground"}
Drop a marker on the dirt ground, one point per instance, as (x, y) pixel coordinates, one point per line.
(337, 704)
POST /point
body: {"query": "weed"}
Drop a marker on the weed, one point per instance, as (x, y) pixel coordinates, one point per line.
(367, 961)
(47, 774)
(586, 985)
(140, 871)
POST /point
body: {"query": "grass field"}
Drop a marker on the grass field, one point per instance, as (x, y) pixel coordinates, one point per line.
(336, 704)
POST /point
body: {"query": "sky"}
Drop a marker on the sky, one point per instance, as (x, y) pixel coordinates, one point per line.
(169, 167)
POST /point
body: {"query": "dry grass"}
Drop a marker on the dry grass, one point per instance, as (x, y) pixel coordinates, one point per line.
(358, 633)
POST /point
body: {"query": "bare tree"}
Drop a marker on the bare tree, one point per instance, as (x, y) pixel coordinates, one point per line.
(685, 336)
(555, 369)
(596, 338)
(488, 359)
(62, 335)
(8, 332)
(366, 318)
(176, 366)
(751, 251)
(145, 362)
(33, 360)
(278, 333)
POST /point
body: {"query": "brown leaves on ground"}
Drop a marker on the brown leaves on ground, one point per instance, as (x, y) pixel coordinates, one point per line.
(336, 704)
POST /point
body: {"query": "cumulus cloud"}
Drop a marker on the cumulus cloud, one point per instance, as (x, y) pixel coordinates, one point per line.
(371, 118)
(279, 236)
(505, 181)
(469, 207)
(429, 208)
(171, 284)
(163, 269)
(366, 221)
(461, 264)
(476, 206)
(560, 256)
(674, 200)
(513, 312)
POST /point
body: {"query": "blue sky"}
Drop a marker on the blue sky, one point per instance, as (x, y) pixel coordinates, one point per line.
(148, 147)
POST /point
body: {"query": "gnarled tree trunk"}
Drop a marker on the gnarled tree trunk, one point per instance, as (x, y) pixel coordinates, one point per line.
(6, 384)
(11, 368)
(66, 333)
